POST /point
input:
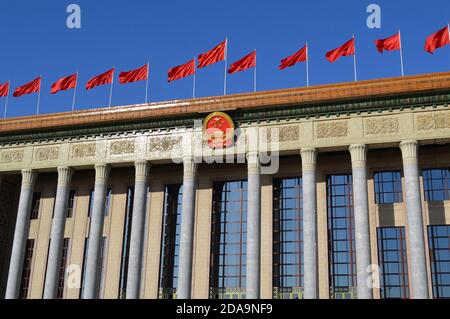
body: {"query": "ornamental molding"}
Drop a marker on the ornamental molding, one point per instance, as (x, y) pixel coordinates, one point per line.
(289, 133)
(164, 143)
(79, 151)
(44, 154)
(382, 126)
(123, 147)
(332, 129)
(436, 121)
(12, 156)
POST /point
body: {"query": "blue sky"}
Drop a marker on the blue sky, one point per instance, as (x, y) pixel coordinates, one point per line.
(36, 41)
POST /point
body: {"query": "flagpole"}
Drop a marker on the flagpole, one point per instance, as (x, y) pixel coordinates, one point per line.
(146, 87)
(307, 64)
(226, 64)
(111, 92)
(193, 85)
(354, 62)
(401, 53)
(39, 96)
(448, 26)
(7, 96)
(75, 93)
(254, 73)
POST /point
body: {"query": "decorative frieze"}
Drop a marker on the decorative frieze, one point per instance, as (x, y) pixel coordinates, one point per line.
(429, 122)
(163, 144)
(332, 129)
(382, 126)
(48, 153)
(11, 156)
(123, 147)
(84, 150)
(289, 133)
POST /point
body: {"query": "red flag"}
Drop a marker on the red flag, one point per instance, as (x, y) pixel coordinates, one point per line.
(65, 83)
(345, 50)
(213, 56)
(140, 74)
(102, 79)
(247, 62)
(390, 44)
(182, 71)
(4, 89)
(31, 87)
(300, 56)
(437, 40)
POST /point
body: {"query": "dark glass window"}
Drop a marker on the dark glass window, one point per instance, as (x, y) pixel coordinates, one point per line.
(439, 242)
(26, 271)
(173, 198)
(228, 240)
(341, 237)
(91, 203)
(437, 184)
(393, 263)
(71, 204)
(108, 201)
(35, 205)
(62, 269)
(287, 239)
(388, 187)
(126, 243)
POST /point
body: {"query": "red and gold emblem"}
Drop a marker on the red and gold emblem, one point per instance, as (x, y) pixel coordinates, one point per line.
(219, 130)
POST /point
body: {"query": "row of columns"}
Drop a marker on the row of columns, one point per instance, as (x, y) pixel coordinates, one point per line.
(92, 271)
(419, 282)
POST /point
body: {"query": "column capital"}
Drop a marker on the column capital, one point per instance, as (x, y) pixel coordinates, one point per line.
(102, 172)
(142, 168)
(358, 153)
(190, 167)
(309, 159)
(253, 161)
(409, 151)
(29, 177)
(64, 175)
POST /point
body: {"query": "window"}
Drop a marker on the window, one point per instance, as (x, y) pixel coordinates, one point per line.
(388, 187)
(439, 242)
(126, 243)
(341, 237)
(173, 198)
(35, 205)
(228, 240)
(71, 204)
(437, 184)
(393, 263)
(26, 271)
(108, 201)
(287, 239)
(91, 203)
(62, 269)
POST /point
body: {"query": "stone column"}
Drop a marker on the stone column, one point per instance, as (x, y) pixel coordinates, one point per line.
(253, 227)
(20, 234)
(96, 232)
(187, 229)
(57, 233)
(416, 241)
(309, 156)
(137, 230)
(362, 226)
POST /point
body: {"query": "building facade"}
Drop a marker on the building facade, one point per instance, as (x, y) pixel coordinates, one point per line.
(336, 191)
